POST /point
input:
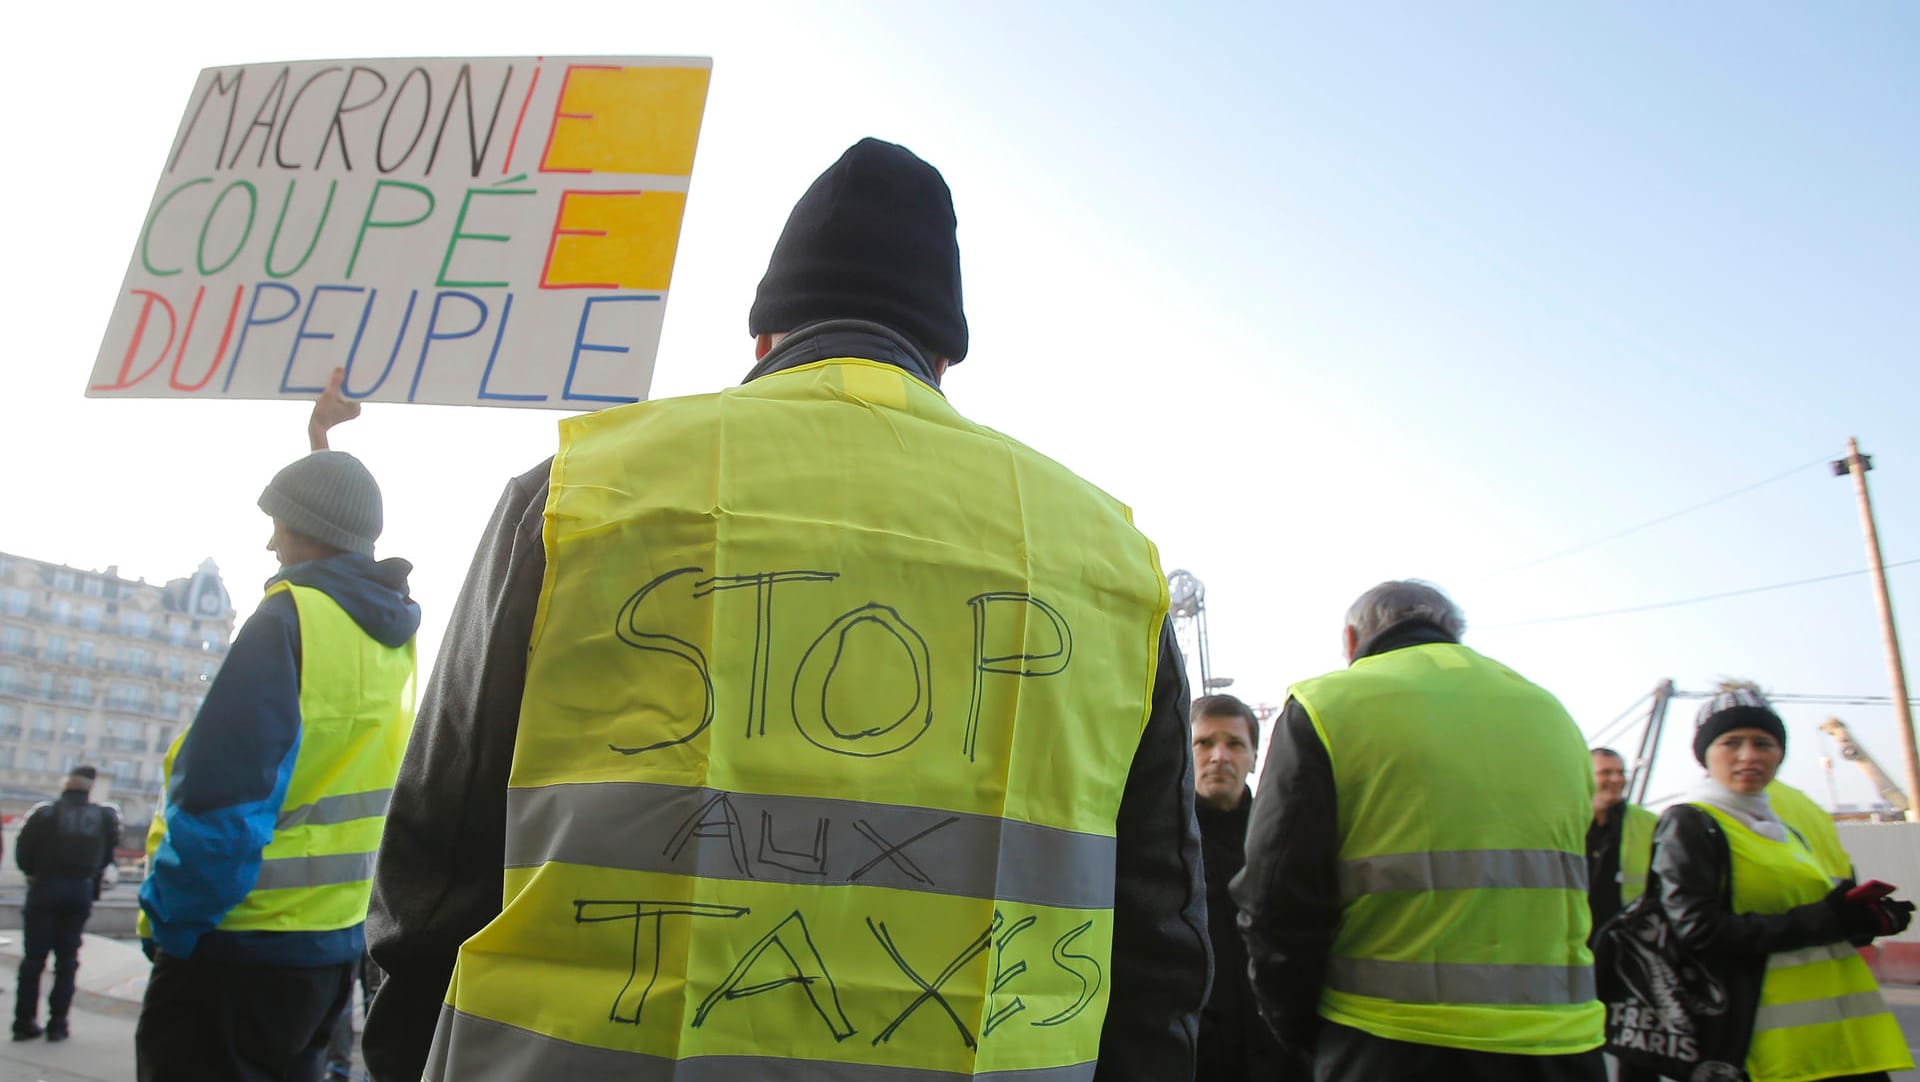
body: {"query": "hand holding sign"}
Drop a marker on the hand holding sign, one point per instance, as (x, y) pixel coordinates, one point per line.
(328, 410)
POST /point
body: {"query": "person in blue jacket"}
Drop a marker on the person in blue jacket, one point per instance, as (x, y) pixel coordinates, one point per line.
(256, 1002)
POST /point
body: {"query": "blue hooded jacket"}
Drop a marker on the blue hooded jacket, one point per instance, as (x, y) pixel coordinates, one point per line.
(231, 774)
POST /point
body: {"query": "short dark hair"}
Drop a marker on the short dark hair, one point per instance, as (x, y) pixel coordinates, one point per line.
(1228, 706)
(1609, 752)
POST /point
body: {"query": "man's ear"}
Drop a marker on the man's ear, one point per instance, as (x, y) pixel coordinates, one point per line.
(762, 345)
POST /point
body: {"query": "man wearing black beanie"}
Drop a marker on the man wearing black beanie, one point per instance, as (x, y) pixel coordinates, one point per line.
(891, 695)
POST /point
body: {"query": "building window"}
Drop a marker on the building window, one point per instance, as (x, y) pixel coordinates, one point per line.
(170, 703)
(62, 610)
(83, 651)
(13, 640)
(120, 770)
(56, 648)
(42, 726)
(82, 689)
(17, 602)
(90, 618)
(7, 676)
(9, 721)
(176, 633)
(63, 579)
(174, 669)
(69, 761)
(137, 623)
(36, 760)
(76, 732)
(6, 757)
(165, 739)
(92, 586)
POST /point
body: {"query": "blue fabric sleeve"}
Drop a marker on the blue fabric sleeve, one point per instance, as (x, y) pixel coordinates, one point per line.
(228, 782)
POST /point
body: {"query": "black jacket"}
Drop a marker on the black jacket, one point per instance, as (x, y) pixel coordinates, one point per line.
(69, 838)
(1692, 863)
(438, 877)
(1235, 1045)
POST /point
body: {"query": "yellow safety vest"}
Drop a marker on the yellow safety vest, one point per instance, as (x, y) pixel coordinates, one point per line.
(1821, 1014)
(157, 829)
(1636, 851)
(356, 713)
(1815, 827)
(831, 701)
(1464, 796)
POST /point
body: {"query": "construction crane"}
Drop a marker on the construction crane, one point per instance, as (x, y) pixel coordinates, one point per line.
(1853, 752)
(1187, 601)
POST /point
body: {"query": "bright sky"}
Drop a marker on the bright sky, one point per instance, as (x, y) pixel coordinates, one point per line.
(1328, 294)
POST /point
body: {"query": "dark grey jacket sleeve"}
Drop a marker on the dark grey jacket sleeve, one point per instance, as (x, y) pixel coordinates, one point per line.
(438, 877)
(1289, 893)
(1162, 961)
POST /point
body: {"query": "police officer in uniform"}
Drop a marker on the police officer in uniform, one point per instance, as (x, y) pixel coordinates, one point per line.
(63, 848)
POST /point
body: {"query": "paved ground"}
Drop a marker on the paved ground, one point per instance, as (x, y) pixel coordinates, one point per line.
(112, 978)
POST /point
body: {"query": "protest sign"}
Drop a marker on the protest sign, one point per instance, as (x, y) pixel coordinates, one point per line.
(496, 232)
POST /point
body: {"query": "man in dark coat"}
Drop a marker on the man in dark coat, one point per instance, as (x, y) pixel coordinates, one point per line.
(1234, 1044)
(64, 847)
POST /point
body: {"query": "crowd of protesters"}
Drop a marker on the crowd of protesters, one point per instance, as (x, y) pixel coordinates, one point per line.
(812, 730)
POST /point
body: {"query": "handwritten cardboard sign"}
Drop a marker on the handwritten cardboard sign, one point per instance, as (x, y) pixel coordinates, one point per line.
(495, 232)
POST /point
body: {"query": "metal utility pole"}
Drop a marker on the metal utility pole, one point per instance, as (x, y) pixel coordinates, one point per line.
(1642, 775)
(1858, 464)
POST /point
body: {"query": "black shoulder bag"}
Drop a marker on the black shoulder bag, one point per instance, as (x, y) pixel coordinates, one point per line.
(1667, 1010)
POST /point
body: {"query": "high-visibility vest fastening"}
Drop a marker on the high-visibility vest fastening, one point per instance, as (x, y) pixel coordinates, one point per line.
(1636, 851)
(1464, 798)
(831, 701)
(356, 713)
(1821, 1014)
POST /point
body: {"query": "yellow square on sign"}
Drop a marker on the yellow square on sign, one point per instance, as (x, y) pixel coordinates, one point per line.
(615, 240)
(627, 120)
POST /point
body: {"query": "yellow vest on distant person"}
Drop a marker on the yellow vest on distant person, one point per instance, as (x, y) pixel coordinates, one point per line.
(356, 713)
(1636, 851)
(832, 698)
(1464, 793)
(1821, 1014)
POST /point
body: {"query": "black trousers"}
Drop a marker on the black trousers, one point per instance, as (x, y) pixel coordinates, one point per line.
(1343, 1054)
(54, 920)
(211, 1021)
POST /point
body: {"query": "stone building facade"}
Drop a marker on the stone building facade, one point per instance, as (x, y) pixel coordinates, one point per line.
(99, 669)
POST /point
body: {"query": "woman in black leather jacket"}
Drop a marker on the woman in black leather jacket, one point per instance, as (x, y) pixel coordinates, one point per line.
(1747, 899)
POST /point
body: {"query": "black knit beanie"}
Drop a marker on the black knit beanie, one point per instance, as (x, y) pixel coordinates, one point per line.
(328, 496)
(872, 239)
(1736, 708)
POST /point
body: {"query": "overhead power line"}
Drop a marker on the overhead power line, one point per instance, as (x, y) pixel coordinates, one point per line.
(1701, 600)
(1650, 523)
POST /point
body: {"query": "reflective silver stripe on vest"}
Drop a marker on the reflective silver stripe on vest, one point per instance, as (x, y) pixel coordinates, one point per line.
(1813, 1012)
(1463, 983)
(1463, 869)
(467, 1048)
(285, 872)
(695, 831)
(344, 808)
(1825, 952)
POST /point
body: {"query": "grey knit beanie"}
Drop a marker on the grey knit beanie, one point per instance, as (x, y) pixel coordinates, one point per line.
(330, 497)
